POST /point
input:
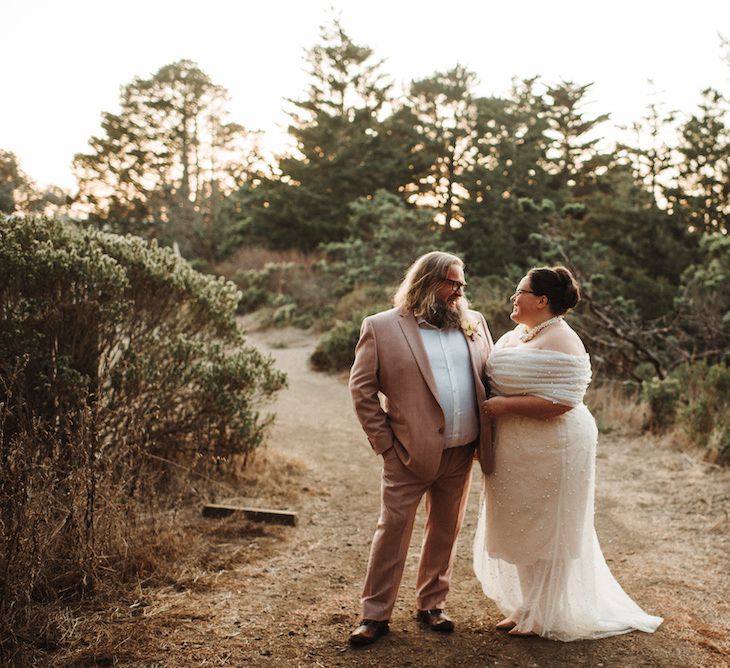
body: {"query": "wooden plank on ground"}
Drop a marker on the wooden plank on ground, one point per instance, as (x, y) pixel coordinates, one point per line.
(254, 514)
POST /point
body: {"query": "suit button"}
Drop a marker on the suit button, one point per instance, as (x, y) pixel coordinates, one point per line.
(441, 430)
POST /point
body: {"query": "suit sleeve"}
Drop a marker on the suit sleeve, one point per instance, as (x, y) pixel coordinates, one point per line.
(364, 387)
(490, 342)
(489, 345)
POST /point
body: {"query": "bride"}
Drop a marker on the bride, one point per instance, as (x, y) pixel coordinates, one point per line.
(536, 552)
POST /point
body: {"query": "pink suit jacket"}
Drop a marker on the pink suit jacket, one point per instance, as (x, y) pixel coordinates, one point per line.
(391, 359)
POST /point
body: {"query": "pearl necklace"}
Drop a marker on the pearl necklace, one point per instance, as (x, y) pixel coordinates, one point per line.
(531, 333)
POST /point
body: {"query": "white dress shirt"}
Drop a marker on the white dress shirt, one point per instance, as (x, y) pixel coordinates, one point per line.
(448, 354)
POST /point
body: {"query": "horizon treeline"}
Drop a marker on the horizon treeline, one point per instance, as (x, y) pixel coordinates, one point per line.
(507, 182)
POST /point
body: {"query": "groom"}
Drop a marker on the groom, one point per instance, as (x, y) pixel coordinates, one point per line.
(427, 358)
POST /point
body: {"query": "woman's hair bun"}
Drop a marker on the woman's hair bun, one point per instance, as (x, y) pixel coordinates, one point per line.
(558, 285)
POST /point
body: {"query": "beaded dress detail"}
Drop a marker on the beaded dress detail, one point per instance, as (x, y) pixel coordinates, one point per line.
(536, 552)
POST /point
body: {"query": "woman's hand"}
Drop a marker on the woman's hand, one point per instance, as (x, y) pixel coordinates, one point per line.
(496, 406)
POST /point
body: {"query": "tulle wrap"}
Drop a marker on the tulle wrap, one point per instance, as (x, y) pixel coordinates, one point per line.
(547, 374)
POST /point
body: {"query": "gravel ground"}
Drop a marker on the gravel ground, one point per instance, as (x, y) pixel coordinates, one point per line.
(290, 597)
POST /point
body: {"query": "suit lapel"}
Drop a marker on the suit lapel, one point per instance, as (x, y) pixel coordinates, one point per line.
(409, 326)
(475, 354)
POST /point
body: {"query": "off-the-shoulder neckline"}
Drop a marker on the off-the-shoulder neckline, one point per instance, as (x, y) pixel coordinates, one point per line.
(523, 349)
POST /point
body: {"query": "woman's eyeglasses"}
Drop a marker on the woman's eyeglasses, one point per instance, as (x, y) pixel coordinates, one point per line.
(518, 292)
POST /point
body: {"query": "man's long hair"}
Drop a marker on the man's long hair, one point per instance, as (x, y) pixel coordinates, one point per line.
(417, 292)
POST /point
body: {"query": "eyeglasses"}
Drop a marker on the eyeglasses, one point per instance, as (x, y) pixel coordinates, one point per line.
(455, 285)
(519, 291)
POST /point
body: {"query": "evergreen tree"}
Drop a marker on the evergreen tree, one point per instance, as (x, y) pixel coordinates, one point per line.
(16, 189)
(648, 247)
(161, 164)
(351, 140)
(702, 195)
(707, 329)
(445, 110)
(649, 156)
(19, 194)
(385, 236)
(506, 182)
(573, 159)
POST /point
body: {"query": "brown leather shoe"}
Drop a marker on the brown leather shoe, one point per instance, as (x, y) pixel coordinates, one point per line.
(436, 620)
(368, 632)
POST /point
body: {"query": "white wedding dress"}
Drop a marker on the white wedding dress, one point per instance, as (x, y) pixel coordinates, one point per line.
(536, 552)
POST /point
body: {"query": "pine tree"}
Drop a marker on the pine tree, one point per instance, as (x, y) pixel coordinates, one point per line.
(573, 158)
(351, 138)
(702, 195)
(445, 110)
(161, 165)
(506, 181)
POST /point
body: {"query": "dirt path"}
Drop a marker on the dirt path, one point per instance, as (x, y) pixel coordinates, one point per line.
(661, 518)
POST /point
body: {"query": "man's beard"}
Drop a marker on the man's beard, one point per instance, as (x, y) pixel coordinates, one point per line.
(445, 315)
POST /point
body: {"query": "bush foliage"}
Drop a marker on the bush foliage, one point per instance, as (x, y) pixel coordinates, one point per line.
(384, 235)
(114, 355)
(289, 293)
(131, 329)
(336, 349)
(695, 397)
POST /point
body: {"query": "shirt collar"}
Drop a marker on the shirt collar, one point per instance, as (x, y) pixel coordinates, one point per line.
(425, 324)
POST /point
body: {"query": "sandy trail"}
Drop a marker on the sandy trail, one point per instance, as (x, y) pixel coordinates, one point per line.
(661, 518)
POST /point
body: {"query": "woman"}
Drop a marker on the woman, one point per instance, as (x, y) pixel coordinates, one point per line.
(536, 552)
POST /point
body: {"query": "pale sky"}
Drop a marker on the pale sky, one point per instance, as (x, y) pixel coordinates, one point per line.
(63, 62)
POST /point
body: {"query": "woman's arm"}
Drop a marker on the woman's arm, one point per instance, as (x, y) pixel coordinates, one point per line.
(532, 407)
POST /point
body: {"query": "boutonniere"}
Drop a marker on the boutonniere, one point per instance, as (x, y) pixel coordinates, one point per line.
(470, 328)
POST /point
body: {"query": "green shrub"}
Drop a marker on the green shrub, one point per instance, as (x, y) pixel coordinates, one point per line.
(253, 297)
(644, 371)
(292, 293)
(132, 329)
(662, 397)
(718, 444)
(336, 349)
(705, 417)
(384, 237)
(695, 397)
(703, 304)
(118, 364)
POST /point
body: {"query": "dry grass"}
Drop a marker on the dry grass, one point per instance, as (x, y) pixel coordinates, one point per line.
(363, 298)
(616, 409)
(132, 621)
(272, 478)
(283, 287)
(257, 257)
(191, 555)
(619, 411)
(61, 583)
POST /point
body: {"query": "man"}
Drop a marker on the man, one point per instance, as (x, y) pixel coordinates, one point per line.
(427, 358)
